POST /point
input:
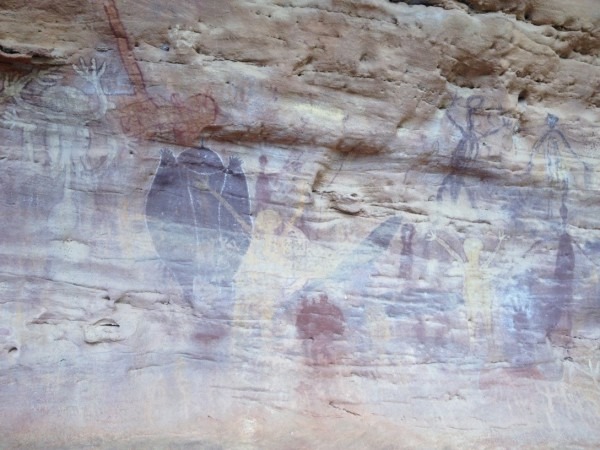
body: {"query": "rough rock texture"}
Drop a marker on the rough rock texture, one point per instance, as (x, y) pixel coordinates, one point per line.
(299, 224)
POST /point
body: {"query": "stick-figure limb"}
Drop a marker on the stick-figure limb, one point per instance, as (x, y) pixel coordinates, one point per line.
(536, 149)
(444, 186)
(471, 196)
(493, 131)
(586, 167)
(534, 245)
(584, 253)
(452, 120)
(501, 237)
(431, 236)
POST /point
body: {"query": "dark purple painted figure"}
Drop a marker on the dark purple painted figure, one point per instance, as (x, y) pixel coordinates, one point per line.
(407, 232)
(563, 277)
(198, 214)
(263, 190)
(466, 151)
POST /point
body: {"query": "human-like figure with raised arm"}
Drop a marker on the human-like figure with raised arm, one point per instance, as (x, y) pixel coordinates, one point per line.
(555, 147)
(477, 290)
(466, 151)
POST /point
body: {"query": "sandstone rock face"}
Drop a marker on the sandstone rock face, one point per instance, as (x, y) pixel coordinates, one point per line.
(299, 224)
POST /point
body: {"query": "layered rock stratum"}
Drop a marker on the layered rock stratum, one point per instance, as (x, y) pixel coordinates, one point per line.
(299, 224)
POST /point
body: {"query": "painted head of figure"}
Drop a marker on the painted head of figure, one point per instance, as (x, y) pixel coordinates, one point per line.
(551, 120)
(475, 102)
(263, 160)
(267, 221)
(472, 248)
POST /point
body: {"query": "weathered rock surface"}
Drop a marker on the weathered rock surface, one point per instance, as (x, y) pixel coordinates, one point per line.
(299, 224)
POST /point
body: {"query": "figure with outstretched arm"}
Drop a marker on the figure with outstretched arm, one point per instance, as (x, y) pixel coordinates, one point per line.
(466, 151)
(555, 146)
(551, 142)
(477, 290)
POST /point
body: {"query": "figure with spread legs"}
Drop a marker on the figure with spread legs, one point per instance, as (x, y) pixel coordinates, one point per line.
(555, 146)
(466, 151)
(477, 289)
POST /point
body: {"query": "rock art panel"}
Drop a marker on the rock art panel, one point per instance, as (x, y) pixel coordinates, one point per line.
(290, 296)
(54, 114)
(280, 256)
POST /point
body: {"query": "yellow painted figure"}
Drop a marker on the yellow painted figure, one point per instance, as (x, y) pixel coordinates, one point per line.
(477, 290)
(261, 275)
(277, 263)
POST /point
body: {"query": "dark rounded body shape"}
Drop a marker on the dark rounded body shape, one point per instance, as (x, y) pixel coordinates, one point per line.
(199, 217)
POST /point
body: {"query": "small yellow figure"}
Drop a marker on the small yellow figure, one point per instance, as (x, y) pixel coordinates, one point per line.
(260, 275)
(477, 290)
